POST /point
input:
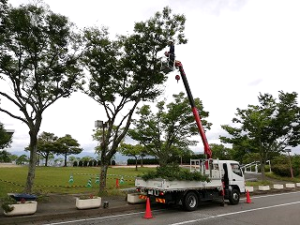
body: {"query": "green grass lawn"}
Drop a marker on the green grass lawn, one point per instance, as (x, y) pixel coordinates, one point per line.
(56, 179)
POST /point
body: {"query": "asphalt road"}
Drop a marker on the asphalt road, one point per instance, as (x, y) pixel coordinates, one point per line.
(277, 209)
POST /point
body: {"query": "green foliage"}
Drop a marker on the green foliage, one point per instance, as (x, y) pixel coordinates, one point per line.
(288, 179)
(281, 165)
(282, 170)
(296, 164)
(168, 132)
(67, 146)
(3, 14)
(185, 159)
(5, 156)
(267, 128)
(6, 204)
(22, 159)
(131, 150)
(220, 151)
(5, 138)
(174, 172)
(126, 71)
(146, 161)
(46, 145)
(39, 60)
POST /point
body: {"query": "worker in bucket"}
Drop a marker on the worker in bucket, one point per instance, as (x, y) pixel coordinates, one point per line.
(171, 53)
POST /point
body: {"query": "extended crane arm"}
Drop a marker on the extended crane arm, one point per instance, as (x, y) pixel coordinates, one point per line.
(207, 149)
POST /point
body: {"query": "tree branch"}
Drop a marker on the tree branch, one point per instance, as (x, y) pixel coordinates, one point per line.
(14, 116)
(11, 99)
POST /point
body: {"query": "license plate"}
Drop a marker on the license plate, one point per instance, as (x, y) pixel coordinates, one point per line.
(150, 192)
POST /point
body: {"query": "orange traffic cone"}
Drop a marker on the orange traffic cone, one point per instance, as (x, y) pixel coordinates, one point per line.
(248, 200)
(148, 214)
(117, 183)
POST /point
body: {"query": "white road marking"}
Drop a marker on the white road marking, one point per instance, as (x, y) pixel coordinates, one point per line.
(265, 196)
(138, 213)
(103, 217)
(235, 213)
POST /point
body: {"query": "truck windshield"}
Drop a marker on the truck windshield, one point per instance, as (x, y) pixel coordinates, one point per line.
(236, 169)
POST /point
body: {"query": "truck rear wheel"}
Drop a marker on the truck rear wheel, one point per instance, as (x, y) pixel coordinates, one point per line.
(234, 197)
(191, 201)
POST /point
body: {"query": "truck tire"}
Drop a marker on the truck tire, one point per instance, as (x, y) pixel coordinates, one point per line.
(234, 197)
(191, 201)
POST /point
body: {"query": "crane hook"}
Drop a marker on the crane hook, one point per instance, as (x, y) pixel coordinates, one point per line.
(177, 77)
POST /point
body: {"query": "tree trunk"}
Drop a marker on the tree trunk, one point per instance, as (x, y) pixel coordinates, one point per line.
(142, 163)
(46, 159)
(103, 174)
(32, 162)
(162, 161)
(136, 163)
(65, 160)
(262, 167)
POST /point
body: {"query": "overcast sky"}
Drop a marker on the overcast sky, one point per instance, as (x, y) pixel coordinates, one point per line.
(236, 49)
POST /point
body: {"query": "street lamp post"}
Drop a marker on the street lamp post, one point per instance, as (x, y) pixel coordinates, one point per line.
(101, 124)
(269, 161)
(290, 161)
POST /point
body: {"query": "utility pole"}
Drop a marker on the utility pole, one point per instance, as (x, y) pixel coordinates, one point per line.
(290, 161)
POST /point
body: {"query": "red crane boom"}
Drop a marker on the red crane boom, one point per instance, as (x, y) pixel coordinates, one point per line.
(207, 149)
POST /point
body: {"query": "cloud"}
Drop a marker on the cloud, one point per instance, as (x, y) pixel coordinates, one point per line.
(215, 7)
(255, 82)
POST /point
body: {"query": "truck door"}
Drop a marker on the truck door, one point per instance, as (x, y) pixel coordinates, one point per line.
(236, 176)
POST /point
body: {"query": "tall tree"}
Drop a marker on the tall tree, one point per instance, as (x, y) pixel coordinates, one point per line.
(72, 159)
(22, 159)
(241, 144)
(126, 71)
(269, 127)
(13, 157)
(168, 132)
(220, 151)
(132, 150)
(38, 60)
(46, 145)
(5, 156)
(67, 146)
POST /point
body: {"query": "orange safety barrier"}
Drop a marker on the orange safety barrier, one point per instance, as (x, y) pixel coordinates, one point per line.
(160, 200)
(142, 197)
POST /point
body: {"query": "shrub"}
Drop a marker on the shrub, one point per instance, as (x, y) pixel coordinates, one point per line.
(174, 172)
(281, 170)
(75, 163)
(146, 161)
(6, 204)
(80, 163)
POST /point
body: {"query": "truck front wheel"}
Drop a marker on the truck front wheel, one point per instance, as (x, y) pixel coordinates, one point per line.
(191, 201)
(234, 197)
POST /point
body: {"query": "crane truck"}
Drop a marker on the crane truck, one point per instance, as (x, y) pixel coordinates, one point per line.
(226, 177)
